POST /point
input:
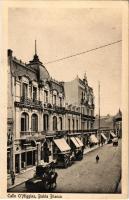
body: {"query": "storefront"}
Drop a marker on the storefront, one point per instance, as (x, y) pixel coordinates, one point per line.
(25, 159)
(61, 152)
(26, 154)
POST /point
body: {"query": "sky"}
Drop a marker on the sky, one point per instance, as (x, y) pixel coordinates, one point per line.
(66, 31)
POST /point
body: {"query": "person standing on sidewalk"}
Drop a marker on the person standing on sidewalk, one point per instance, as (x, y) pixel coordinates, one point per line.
(97, 159)
(12, 177)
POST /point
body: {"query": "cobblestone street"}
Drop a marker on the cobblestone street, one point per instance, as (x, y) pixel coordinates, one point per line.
(88, 176)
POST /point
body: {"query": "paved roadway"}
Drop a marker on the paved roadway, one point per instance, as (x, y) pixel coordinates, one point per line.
(88, 176)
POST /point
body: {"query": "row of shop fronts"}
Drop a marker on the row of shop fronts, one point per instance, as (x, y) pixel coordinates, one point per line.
(33, 151)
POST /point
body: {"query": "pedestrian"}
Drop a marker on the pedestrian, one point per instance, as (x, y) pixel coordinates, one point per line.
(97, 159)
(12, 177)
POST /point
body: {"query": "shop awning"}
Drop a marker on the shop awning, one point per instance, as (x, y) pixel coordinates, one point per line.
(93, 139)
(75, 142)
(113, 134)
(62, 144)
(102, 134)
(79, 142)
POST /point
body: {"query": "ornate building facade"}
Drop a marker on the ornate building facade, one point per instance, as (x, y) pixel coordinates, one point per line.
(41, 108)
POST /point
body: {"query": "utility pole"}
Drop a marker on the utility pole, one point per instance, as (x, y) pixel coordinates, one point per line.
(99, 111)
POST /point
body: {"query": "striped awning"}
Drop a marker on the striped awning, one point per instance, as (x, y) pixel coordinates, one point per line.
(112, 134)
(102, 134)
(93, 139)
(75, 142)
(62, 144)
(79, 142)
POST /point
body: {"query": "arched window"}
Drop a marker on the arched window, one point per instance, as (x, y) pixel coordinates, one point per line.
(45, 122)
(24, 122)
(54, 123)
(34, 122)
(60, 119)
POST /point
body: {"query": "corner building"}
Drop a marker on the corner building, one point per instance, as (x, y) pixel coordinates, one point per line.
(41, 108)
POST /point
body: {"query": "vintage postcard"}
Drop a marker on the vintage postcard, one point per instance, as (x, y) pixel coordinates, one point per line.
(64, 102)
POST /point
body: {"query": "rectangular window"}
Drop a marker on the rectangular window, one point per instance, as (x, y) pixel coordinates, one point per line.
(34, 93)
(73, 124)
(54, 99)
(69, 124)
(77, 125)
(25, 90)
(46, 96)
(60, 102)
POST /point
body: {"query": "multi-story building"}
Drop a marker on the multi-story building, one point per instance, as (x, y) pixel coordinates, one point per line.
(40, 107)
(79, 93)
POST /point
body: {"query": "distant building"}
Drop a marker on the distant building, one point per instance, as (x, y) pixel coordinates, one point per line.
(118, 124)
(106, 122)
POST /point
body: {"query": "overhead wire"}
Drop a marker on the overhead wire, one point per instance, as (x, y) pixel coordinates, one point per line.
(83, 52)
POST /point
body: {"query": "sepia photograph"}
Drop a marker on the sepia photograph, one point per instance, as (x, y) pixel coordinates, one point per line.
(64, 99)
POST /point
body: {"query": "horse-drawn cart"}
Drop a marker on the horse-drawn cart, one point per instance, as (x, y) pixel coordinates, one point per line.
(44, 179)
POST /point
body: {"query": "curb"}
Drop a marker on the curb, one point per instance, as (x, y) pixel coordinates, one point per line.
(8, 189)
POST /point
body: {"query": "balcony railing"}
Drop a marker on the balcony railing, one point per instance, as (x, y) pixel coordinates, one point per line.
(59, 109)
(26, 102)
(88, 117)
(26, 134)
(85, 102)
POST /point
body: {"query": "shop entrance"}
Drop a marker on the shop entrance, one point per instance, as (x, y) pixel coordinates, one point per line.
(23, 164)
(29, 158)
(17, 168)
(8, 161)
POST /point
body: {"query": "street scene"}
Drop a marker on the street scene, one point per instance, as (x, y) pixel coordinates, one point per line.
(89, 176)
(64, 119)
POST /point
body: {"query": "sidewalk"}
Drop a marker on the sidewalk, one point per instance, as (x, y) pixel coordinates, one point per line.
(27, 174)
(22, 177)
(90, 149)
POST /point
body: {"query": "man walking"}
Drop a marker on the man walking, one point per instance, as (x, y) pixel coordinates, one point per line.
(97, 159)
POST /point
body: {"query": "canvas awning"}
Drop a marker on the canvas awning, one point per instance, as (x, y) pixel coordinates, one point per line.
(112, 134)
(102, 134)
(115, 140)
(62, 144)
(93, 139)
(79, 142)
(75, 142)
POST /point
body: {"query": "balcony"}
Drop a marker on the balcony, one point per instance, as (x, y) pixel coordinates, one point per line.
(29, 103)
(59, 109)
(87, 117)
(85, 103)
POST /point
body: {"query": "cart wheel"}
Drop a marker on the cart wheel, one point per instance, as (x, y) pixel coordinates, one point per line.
(47, 186)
